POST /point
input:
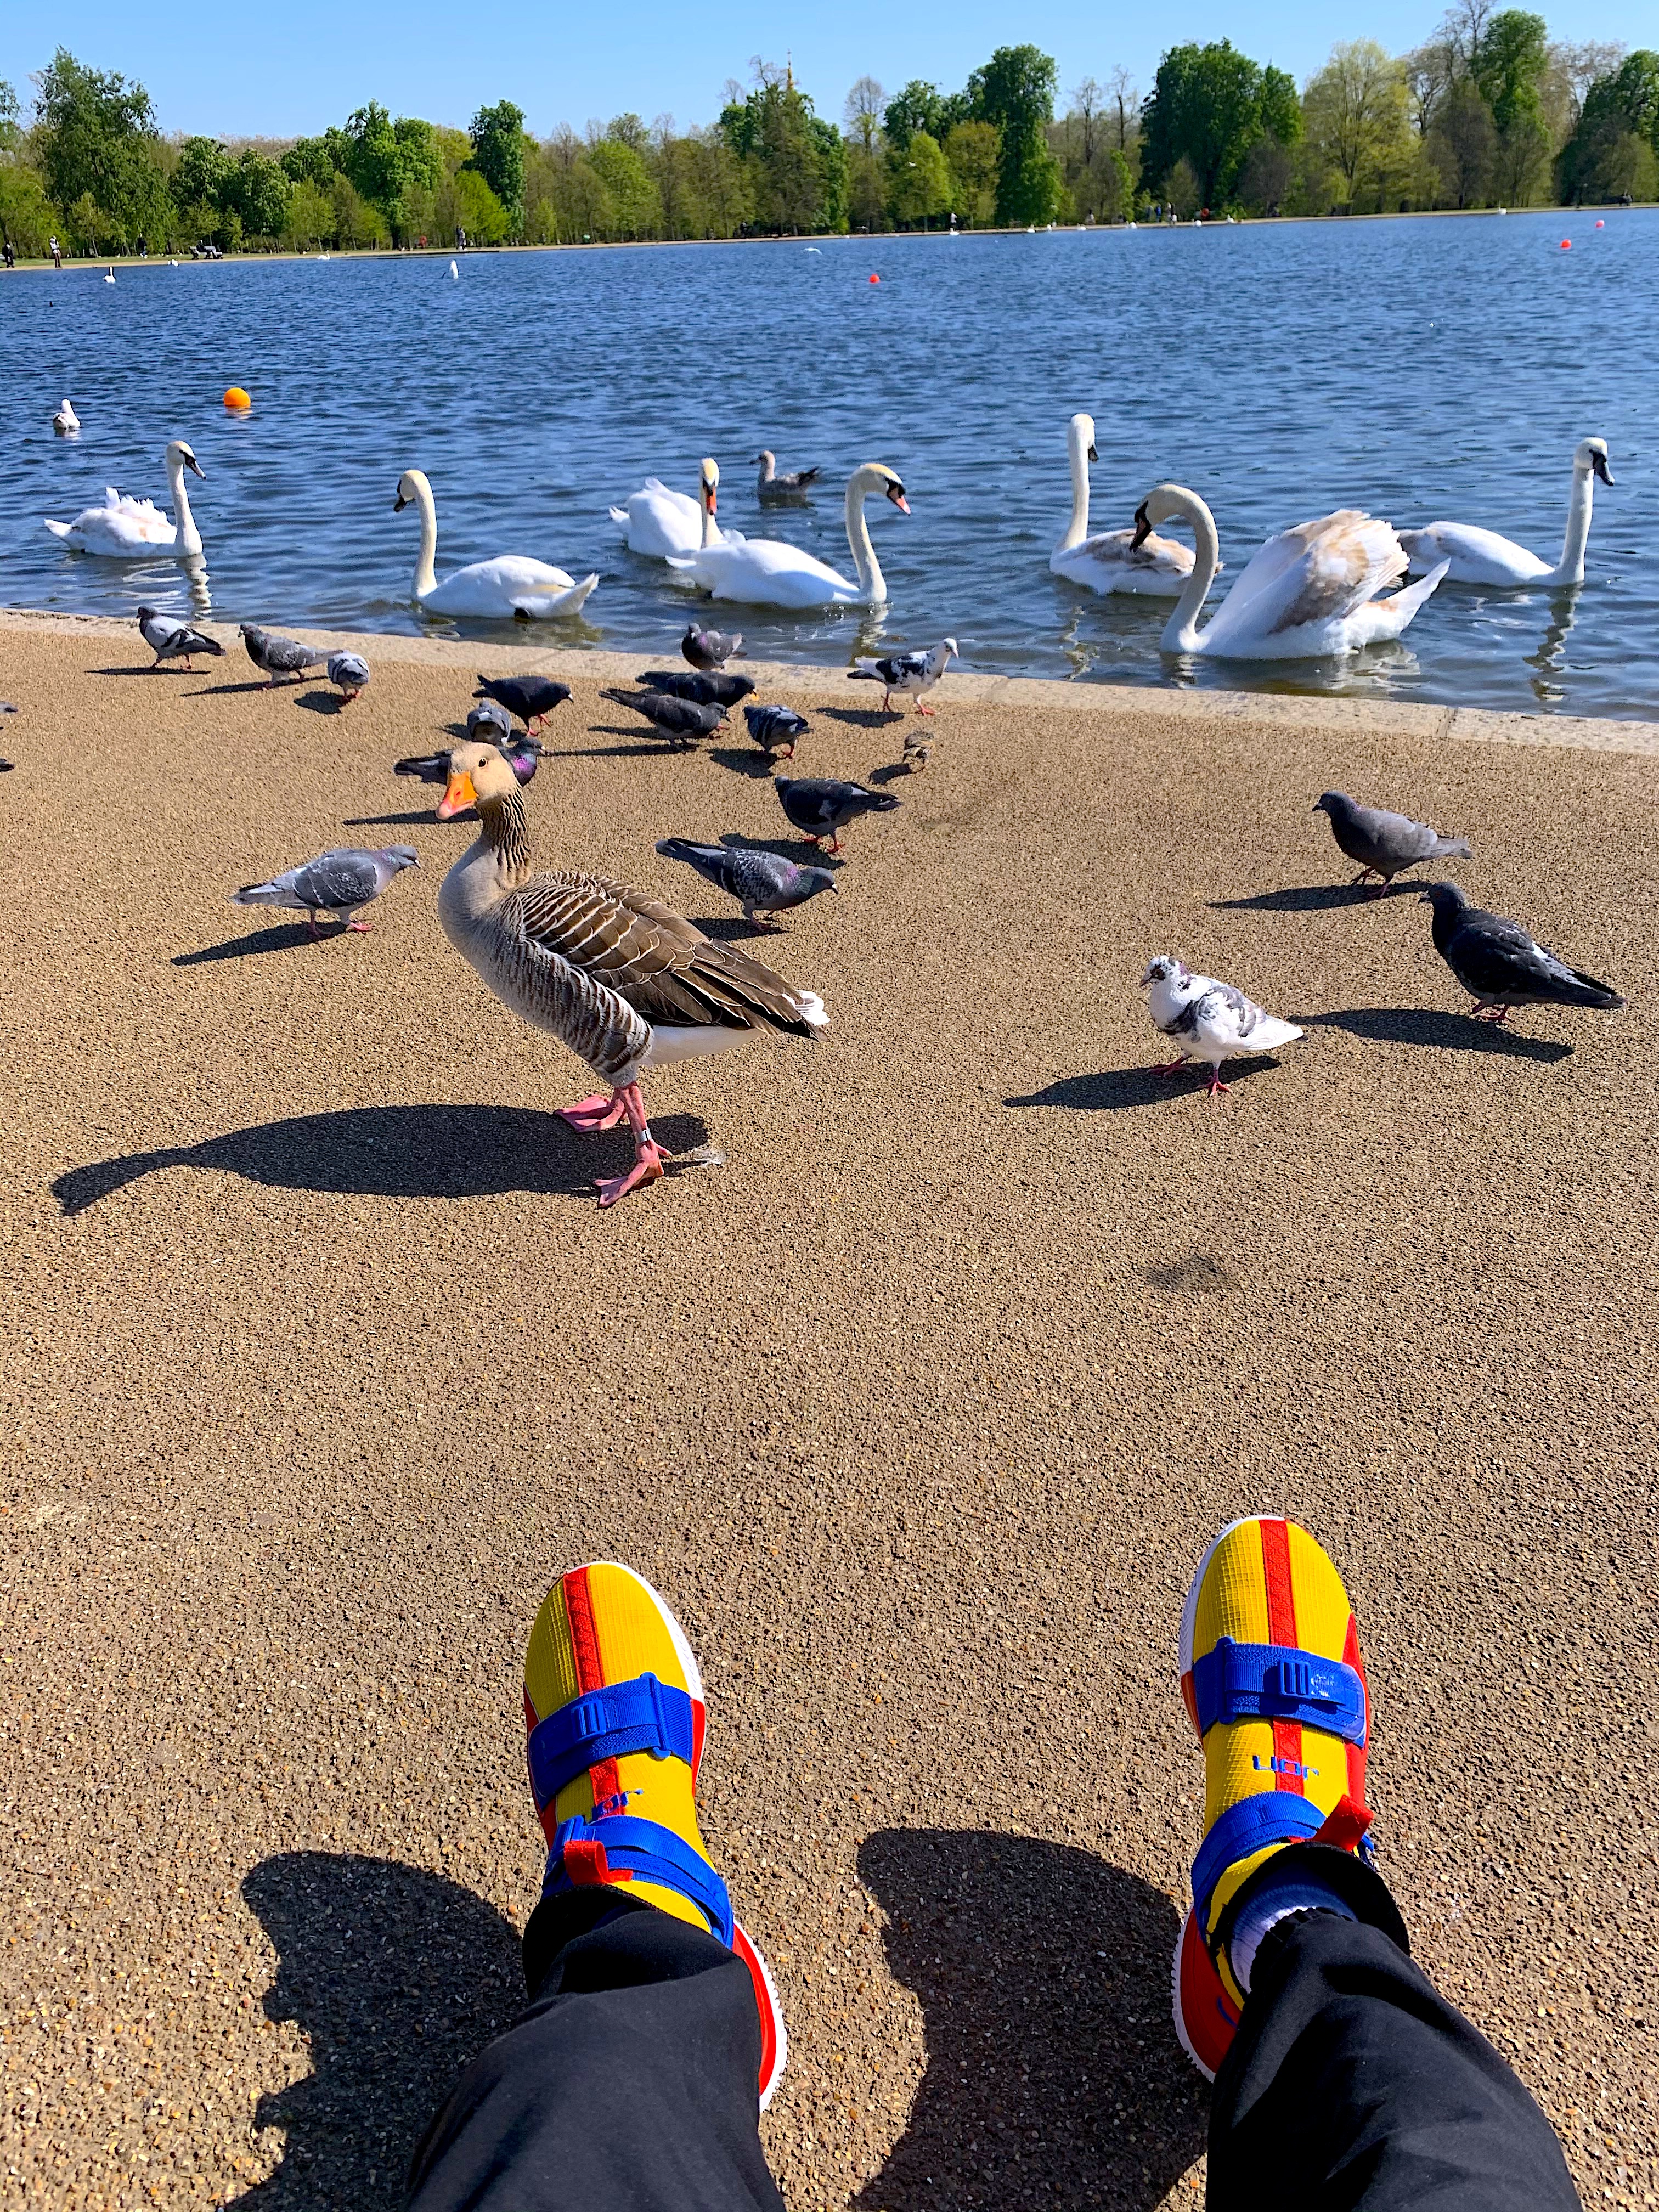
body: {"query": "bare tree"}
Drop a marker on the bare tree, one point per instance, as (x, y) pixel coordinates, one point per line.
(1087, 102)
(1579, 66)
(866, 104)
(1430, 71)
(1463, 29)
(1124, 93)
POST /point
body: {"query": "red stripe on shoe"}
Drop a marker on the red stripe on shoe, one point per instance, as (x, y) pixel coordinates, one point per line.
(606, 1780)
(1357, 1751)
(1281, 1629)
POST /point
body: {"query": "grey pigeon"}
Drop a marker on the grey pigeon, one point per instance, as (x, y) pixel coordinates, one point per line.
(1500, 966)
(702, 690)
(279, 656)
(1384, 843)
(490, 724)
(682, 719)
(708, 648)
(529, 698)
(776, 729)
(765, 885)
(337, 883)
(819, 808)
(172, 639)
(349, 673)
(521, 754)
(775, 484)
(909, 674)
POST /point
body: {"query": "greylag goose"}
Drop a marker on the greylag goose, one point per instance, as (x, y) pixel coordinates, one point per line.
(775, 485)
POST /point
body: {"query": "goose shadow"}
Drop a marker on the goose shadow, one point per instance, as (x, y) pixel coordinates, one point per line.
(1053, 2069)
(398, 1978)
(1441, 1031)
(1112, 1090)
(1313, 898)
(395, 1151)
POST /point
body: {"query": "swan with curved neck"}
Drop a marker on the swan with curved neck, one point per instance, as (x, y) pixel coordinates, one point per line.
(1157, 567)
(128, 529)
(509, 585)
(766, 572)
(658, 522)
(1305, 595)
(1482, 556)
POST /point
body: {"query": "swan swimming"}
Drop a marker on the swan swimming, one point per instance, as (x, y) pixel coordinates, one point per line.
(508, 584)
(1304, 595)
(1481, 557)
(659, 523)
(126, 529)
(766, 572)
(1114, 561)
(66, 422)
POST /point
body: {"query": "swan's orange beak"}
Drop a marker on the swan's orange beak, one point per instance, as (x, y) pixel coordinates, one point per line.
(710, 498)
(457, 797)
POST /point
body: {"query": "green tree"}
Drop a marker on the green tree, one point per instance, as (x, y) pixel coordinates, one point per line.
(920, 107)
(973, 152)
(11, 131)
(1354, 113)
(310, 217)
(202, 172)
(357, 222)
(1208, 105)
(1461, 144)
(635, 209)
(920, 179)
(497, 136)
(1615, 146)
(98, 145)
(1015, 92)
(1512, 62)
(309, 162)
(796, 164)
(256, 194)
(395, 167)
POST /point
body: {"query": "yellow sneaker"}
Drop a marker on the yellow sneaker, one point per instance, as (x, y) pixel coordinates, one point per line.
(613, 1705)
(1273, 1682)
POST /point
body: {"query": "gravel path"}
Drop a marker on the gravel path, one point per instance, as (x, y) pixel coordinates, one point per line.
(918, 1409)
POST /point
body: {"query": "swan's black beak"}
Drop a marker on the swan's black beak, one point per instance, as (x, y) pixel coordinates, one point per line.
(1093, 456)
(1143, 528)
(1599, 463)
(399, 504)
(895, 493)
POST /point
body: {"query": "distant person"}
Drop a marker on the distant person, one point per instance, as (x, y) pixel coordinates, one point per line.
(1343, 2078)
(11, 257)
(56, 255)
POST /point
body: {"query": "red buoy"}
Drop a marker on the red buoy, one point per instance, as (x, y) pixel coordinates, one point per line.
(1599, 225)
(1565, 243)
(875, 279)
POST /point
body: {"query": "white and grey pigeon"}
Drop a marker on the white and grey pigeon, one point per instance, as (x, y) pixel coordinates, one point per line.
(339, 882)
(1383, 843)
(1500, 965)
(708, 648)
(278, 656)
(349, 673)
(765, 885)
(169, 639)
(1209, 1021)
(909, 674)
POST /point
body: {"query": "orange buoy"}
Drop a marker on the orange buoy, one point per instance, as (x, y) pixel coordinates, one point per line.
(237, 400)
(875, 279)
(1565, 243)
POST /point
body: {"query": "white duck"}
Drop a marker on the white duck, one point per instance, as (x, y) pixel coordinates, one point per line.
(1306, 594)
(1157, 567)
(1481, 557)
(660, 523)
(129, 529)
(765, 571)
(509, 585)
(66, 422)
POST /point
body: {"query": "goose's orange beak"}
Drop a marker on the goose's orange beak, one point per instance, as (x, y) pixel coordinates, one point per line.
(457, 797)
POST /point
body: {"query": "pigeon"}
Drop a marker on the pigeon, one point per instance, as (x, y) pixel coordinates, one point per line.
(529, 698)
(776, 729)
(1500, 966)
(775, 485)
(709, 648)
(349, 673)
(279, 656)
(765, 885)
(682, 719)
(65, 421)
(490, 724)
(711, 690)
(1386, 843)
(1209, 1021)
(521, 754)
(819, 808)
(909, 674)
(335, 882)
(174, 640)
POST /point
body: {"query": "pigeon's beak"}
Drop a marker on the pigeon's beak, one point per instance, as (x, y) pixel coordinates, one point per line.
(835, 887)
(1143, 528)
(1599, 463)
(458, 796)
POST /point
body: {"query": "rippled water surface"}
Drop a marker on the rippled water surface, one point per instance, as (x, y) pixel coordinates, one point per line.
(1423, 368)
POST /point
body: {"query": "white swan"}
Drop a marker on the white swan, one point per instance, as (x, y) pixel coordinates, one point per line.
(109, 275)
(508, 584)
(765, 571)
(1113, 561)
(660, 523)
(1481, 557)
(127, 529)
(66, 422)
(1305, 594)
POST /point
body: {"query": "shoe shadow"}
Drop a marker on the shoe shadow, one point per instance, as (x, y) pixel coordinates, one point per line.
(1313, 898)
(396, 1151)
(1116, 1089)
(1054, 2075)
(1442, 1031)
(398, 1978)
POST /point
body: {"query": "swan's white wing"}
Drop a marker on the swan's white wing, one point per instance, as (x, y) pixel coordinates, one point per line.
(1318, 573)
(765, 571)
(1477, 556)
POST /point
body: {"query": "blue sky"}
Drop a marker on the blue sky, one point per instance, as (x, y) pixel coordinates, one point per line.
(661, 56)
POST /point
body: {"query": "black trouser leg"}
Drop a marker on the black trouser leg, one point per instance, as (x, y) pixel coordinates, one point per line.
(1351, 2082)
(630, 2082)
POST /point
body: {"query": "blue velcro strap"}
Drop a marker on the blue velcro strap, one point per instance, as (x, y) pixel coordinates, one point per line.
(650, 1852)
(1275, 1816)
(1275, 1682)
(643, 1715)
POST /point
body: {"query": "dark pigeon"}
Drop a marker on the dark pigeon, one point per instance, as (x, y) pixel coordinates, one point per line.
(682, 719)
(1384, 844)
(776, 729)
(530, 698)
(819, 808)
(277, 656)
(764, 885)
(708, 648)
(1500, 966)
(710, 690)
(171, 639)
(337, 883)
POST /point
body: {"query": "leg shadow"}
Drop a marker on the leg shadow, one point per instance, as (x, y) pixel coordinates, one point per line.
(398, 1978)
(1443, 1032)
(1053, 2076)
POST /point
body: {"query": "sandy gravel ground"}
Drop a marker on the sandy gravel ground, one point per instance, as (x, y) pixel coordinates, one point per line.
(322, 1363)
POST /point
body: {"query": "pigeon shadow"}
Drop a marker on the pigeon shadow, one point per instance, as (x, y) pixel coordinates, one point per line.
(890, 774)
(1113, 1090)
(392, 821)
(1312, 898)
(862, 718)
(752, 764)
(1444, 1032)
(396, 1151)
(233, 690)
(321, 702)
(801, 850)
(282, 938)
(396, 1979)
(154, 668)
(635, 750)
(1053, 2073)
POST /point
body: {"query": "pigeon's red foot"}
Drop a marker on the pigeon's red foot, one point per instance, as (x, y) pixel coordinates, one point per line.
(590, 1115)
(920, 709)
(647, 1168)
(1217, 1086)
(361, 926)
(1170, 1067)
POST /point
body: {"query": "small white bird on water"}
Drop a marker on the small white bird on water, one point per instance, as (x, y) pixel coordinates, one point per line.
(65, 422)
(909, 674)
(1209, 1021)
(109, 275)
(454, 270)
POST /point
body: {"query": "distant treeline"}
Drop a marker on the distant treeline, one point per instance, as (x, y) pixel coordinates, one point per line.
(1490, 112)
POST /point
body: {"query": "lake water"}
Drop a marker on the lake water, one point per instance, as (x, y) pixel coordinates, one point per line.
(1422, 368)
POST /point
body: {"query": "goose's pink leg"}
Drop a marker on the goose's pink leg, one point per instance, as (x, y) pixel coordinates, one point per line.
(590, 1115)
(648, 1154)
